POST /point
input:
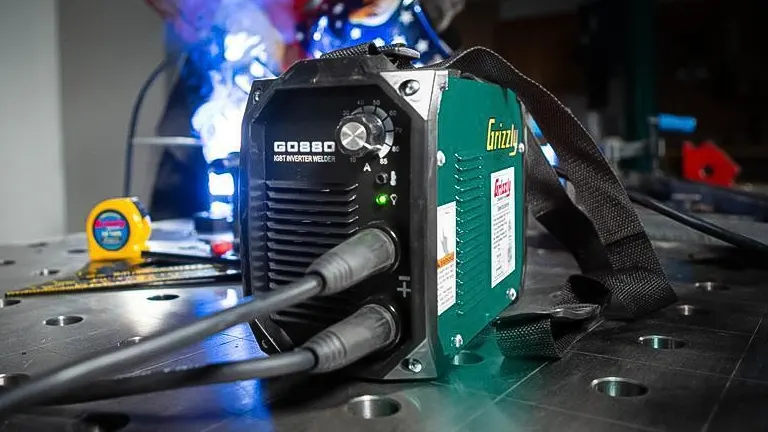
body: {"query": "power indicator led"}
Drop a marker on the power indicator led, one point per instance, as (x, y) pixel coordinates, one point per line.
(381, 199)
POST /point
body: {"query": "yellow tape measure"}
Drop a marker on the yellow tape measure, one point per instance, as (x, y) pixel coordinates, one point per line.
(118, 232)
(118, 229)
(149, 276)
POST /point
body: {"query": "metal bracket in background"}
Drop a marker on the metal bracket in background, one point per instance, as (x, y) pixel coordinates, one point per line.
(615, 149)
(693, 195)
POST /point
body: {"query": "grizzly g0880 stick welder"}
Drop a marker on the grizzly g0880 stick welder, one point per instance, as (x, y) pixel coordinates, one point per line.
(436, 156)
(382, 210)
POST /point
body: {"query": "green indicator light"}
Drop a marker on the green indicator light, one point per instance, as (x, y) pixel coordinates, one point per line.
(381, 199)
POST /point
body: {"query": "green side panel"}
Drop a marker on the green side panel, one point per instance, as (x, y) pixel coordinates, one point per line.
(480, 185)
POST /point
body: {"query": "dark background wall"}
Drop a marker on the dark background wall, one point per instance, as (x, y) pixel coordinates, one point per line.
(710, 62)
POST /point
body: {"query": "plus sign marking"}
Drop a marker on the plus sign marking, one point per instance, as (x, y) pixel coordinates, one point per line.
(403, 288)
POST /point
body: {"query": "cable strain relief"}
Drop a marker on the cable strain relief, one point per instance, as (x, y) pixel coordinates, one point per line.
(329, 351)
(368, 252)
(368, 330)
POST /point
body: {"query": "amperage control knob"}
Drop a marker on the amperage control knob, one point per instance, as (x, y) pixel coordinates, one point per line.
(359, 134)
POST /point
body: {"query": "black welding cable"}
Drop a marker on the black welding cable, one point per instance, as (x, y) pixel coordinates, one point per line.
(368, 330)
(368, 252)
(81, 373)
(690, 221)
(278, 365)
(133, 121)
(699, 224)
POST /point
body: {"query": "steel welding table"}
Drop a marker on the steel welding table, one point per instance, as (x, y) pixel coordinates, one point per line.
(712, 377)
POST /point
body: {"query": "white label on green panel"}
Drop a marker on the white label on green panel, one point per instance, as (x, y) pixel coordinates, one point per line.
(502, 224)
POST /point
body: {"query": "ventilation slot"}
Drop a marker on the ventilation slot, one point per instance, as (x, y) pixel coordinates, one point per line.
(471, 199)
(302, 222)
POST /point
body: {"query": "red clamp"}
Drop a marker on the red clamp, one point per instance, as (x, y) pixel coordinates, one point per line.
(220, 247)
(707, 163)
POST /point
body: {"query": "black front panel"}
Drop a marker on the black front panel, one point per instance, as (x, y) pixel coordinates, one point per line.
(306, 196)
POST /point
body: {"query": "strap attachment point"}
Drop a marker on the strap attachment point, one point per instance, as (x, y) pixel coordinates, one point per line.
(564, 313)
(398, 53)
(575, 312)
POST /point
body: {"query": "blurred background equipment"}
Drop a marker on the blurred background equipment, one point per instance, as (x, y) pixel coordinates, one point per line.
(616, 65)
(229, 43)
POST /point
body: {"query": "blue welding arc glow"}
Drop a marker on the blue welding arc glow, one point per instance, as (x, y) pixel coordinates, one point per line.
(218, 120)
(535, 128)
(239, 45)
(235, 45)
(221, 184)
(549, 152)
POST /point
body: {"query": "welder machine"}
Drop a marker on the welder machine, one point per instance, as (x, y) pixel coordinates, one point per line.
(433, 156)
(382, 214)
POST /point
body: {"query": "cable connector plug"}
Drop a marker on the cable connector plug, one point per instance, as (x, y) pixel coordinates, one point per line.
(368, 252)
(370, 329)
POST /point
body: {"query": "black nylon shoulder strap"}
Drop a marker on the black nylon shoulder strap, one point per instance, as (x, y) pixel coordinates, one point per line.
(603, 232)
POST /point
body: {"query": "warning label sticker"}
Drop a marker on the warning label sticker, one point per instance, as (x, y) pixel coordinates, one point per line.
(446, 256)
(502, 224)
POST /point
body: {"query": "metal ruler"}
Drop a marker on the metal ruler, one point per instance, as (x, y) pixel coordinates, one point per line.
(133, 278)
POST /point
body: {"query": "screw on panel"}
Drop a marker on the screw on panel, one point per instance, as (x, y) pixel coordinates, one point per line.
(521, 148)
(511, 294)
(414, 365)
(440, 158)
(409, 87)
(457, 341)
(256, 95)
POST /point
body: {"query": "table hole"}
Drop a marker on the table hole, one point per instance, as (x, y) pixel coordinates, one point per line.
(689, 310)
(38, 245)
(130, 341)
(619, 387)
(712, 286)
(163, 297)
(103, 422)
(371, 407)
(7, 262)
(466, 358)
(63, 320)
(77, 251)
(661, 342)
(48, 272)
(8, 302)
(9, 381)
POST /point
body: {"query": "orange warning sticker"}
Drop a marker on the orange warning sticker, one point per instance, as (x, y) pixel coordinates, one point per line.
(447, 259)
(446, 256)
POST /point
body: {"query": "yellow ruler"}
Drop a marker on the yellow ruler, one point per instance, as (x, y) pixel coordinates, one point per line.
(133, 278)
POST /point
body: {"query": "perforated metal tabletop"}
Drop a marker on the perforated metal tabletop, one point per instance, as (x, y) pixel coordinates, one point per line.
(711, 376)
